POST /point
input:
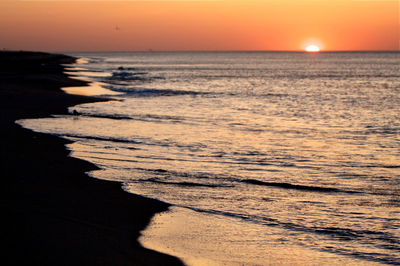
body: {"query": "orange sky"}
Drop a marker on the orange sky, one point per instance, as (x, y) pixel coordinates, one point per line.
(198, 25)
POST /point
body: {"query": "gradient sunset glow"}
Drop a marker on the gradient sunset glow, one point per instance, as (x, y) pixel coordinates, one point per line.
(199, 25)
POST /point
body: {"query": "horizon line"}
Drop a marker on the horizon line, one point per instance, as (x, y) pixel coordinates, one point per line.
(204, 51)
(230, 51)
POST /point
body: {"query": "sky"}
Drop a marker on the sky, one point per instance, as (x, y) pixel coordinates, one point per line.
(108, 25)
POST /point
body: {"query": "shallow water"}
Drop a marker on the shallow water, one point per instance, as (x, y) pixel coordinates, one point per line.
(300, 150)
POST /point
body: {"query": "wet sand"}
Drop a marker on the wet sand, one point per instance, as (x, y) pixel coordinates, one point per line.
(53, 213)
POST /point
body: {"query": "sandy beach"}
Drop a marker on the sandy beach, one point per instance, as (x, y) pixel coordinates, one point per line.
(53, 213)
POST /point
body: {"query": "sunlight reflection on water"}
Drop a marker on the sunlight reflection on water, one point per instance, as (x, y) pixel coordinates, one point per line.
(276, 150)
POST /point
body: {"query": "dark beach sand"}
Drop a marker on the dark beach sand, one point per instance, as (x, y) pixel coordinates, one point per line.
(53, 213)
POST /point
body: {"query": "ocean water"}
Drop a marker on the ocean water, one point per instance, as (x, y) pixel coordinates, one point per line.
(267, 157)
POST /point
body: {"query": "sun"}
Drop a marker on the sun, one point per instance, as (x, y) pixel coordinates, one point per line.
(312, 45)
(312, 49)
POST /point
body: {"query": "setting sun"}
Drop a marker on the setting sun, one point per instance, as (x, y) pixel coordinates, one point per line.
(312, 49)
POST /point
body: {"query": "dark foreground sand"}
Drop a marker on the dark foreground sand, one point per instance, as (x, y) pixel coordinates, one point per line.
(51, 212)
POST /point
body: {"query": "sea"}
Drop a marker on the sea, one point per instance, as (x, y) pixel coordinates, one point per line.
(267, 158)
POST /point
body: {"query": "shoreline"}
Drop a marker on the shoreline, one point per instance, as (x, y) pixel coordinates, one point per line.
(54, 213)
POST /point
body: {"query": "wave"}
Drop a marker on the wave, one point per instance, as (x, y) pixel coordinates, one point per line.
(335, 232)
(183, 183)
(295, 187)
(232, 180)
(139, 117)
(115, 116)
(100, 138)
(147, 92)
(157, 92)
(368, 237)
(196, 175)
